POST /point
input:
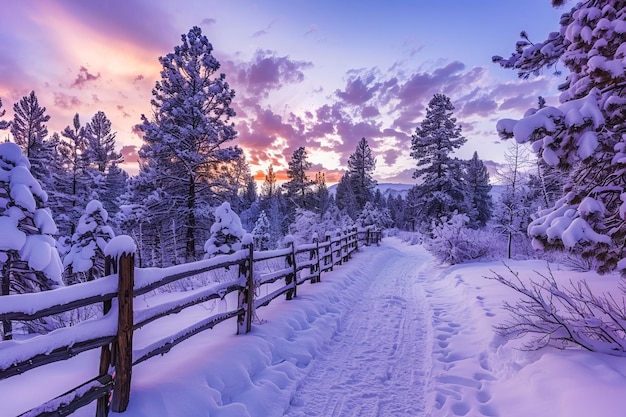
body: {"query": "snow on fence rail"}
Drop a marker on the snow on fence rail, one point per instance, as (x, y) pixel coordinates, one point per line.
(112, 331)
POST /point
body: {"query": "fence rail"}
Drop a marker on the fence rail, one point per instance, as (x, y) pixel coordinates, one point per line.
(113, 331)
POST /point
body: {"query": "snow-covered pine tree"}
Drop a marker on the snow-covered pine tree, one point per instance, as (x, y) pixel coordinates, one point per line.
(321, 196)
(261, 232)
(361, 165)
(441, 190)
(85, 260)
(477, 180)
(101, 143)
(299, 187)
(3, 123)
(29, 131)
(583, 136)
(345, 198)
(183, 142)
(29, 261)
(226, 233)
(74, 186)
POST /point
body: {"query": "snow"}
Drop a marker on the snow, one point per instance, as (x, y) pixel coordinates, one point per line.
(390, 333)
(119, 246)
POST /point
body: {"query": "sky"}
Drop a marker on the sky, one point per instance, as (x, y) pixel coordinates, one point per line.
(319, 74)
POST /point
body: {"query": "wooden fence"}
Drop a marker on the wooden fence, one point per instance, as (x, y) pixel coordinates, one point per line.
(112, 331)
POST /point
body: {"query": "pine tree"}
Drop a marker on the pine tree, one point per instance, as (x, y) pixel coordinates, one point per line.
(345, 198)
(226, 233)
(29, 131)
(441, 190)
(3, 123)
(101, 143)
(85, 260)
(261, 233)
(29, 261)
(477, 180)
(183, 143)
(298, 188)
(582, 136)
(321, 196)
(361, 165)
(269, 187)
(76, 185)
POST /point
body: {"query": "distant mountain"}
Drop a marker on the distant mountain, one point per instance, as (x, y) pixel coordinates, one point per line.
(395, 189)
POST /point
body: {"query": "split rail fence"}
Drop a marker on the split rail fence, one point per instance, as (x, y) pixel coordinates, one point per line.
(112, 331)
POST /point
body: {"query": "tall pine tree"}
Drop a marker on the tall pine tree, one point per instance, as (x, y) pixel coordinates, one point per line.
(440, 189)
(184, 141)
(477, 180)
(361, 165)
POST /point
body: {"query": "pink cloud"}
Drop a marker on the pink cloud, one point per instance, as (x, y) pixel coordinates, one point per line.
(129, 153)
(84, 77)
(268, 72)
(65, 101)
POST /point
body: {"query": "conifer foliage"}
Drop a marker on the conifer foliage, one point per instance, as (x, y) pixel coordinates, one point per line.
(183, 142)
(440, 190)
(29, 261)
(226, 233)
(582, 136)
(85, 260)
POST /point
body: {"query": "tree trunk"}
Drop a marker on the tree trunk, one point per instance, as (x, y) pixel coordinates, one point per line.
(191, 222)
(7, 328)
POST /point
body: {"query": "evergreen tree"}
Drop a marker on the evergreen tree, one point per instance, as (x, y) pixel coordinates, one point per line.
(298, 188)
(441, 190)
(101, 143)
(321, 196)
(183, 143)
(477, 180)
(582, 136)
(269, 187)
(3, 123)
(28, 257)
(113, 187)
(261, 233)
(345, 198)
(226, 233)
(361, 165)
(76, 186)
(29, 131)
(85, 260)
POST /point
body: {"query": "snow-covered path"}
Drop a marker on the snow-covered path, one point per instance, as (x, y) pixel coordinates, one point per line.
(390, 333)
(378, 362)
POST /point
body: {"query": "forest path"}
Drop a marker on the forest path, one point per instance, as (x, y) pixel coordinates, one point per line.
(379, 360)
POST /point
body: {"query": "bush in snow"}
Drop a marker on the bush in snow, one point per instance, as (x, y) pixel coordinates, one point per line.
(85, 260)
(29, 260)
(372, 216)
(226, 233)
(454, 242)
(564, 317)
(28, 254)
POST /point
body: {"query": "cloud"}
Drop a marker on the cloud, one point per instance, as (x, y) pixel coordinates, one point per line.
(84, 77)
(129, 153)
(65, 101)
(482, 106)
(268, 72)
(208, 21)
(138, 78)
(266, 30)
(312, 28)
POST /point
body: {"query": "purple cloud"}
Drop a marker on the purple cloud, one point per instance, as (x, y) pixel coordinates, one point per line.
(84, 77)
(269, 72)
(65, 101)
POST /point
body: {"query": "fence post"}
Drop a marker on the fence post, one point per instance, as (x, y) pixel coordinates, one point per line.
(124, 248)
(316, 266)
(102, 406)
(338, 234)
(7, 326)
(246, 297)
(327, 249)
(292, 277)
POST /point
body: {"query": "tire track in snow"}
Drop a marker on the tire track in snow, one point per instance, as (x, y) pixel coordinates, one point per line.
(379, 361)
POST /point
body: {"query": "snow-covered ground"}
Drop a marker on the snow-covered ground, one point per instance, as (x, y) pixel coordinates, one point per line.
(390, 333)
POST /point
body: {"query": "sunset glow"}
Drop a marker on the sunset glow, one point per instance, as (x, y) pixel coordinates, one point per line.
(318, 75)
